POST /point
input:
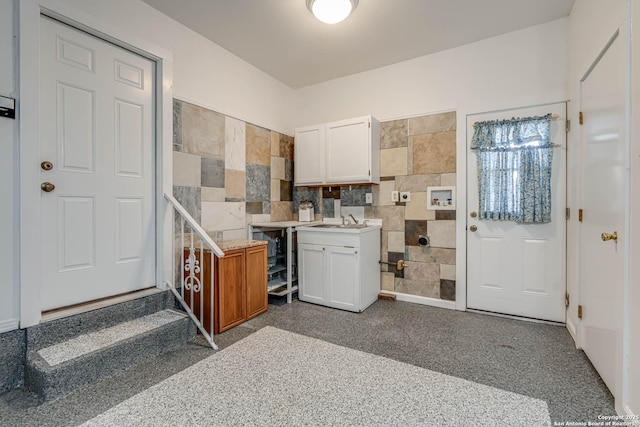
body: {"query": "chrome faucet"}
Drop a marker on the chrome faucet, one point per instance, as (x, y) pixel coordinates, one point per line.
(354, 219)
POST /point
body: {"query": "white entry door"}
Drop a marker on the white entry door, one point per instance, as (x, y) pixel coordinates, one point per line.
(97, 132)
(519, 269)
(603, 177)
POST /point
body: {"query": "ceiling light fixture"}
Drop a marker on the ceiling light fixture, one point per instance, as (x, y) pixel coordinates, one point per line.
(331, 11)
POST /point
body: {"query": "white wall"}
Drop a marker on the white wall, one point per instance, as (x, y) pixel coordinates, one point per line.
(203, 73)
(633, 300)
(513, 70)
(8, 290)
(522, 68)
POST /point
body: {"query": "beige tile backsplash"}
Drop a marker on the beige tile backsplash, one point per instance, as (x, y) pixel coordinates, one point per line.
(417, 153)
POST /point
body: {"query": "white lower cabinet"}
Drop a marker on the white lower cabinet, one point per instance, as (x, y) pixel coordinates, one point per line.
(330, 275)
(339, 275)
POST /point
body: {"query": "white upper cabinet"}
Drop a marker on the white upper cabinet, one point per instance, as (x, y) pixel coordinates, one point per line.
(350, 152)
(309, 155)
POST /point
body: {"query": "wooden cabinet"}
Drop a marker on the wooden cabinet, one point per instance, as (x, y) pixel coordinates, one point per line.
(240, 287)
(342, 152)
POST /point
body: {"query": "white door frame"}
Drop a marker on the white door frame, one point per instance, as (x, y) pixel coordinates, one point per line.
(29, 12)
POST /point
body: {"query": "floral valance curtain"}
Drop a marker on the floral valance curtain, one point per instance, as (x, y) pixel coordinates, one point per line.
(514, 169)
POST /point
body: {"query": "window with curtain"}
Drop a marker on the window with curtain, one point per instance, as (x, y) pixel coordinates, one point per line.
(514, 169)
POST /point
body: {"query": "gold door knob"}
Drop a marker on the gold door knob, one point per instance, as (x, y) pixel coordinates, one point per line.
(473, 214)
(607, 236)
(473, 228)
(46, 166)
(47, 187)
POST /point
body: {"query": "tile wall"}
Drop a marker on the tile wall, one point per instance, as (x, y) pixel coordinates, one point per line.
(415, 153)
(227, 172)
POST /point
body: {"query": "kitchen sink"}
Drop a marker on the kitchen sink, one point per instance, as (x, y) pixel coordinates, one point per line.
(347, 226)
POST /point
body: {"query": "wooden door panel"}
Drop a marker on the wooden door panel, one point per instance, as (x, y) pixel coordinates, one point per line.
(256, 281)
(231, 293)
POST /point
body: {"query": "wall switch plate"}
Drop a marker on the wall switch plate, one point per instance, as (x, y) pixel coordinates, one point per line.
(368, 198)
(395, 196)
(405, 196)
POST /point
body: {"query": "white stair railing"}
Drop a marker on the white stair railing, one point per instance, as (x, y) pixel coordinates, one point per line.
(196, 249)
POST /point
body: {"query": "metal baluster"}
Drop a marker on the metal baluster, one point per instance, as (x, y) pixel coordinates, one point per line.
(182, 257)
(173, 246)
(201, 284)
(192, 266)
(213, 271)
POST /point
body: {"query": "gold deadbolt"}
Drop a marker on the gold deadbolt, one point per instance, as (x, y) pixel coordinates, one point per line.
(46, 165)
(47, 187)
(473, 228)
(607, 236)
(473, 214)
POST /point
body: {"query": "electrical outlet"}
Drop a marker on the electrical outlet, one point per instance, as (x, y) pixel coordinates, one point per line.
(405, 196)
(368, 198)
(395, 196)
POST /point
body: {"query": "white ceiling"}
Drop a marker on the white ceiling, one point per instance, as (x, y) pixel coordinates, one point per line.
(283, 39)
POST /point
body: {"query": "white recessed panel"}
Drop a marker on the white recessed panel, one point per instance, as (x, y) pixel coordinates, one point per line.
(129, 229)
(130, 75)
(535, 266)
(490, 248)
(75, 55)
(76, 233)
(129, 135)
(76, 129)
(342, 265)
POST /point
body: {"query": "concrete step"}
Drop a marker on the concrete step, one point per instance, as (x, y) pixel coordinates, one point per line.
(65, 366)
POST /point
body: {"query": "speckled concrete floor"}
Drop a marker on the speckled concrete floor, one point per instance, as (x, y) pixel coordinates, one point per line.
(534, 360)
(275, 377)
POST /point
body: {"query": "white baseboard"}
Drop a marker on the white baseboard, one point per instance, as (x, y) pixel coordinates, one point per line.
(433, 302)
(633, 418)
(573, 331)
(9, 325)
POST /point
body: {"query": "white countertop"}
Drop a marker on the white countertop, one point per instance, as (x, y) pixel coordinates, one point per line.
(284, 224)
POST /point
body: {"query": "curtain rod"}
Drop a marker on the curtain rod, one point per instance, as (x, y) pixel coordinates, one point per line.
(553, 117)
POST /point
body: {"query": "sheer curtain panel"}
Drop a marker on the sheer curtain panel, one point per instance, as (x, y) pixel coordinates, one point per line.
(514, 169)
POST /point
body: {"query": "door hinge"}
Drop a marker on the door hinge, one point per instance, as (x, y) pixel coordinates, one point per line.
(580, 215)
(369, 172)
(581, 118)
(567, 126)
(369, 125)
(566, 299)
(579, 312)
(567, 213)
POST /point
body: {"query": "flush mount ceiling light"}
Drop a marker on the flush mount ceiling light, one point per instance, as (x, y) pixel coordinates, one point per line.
(331, 11)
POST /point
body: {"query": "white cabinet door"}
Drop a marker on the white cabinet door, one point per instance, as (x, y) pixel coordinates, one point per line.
(342, 276)
(312, 273)
(348, 145)
(309, 155)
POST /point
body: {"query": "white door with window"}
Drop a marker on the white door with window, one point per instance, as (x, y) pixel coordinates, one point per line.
(514, 268)
(97, 148)
(603, 203)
